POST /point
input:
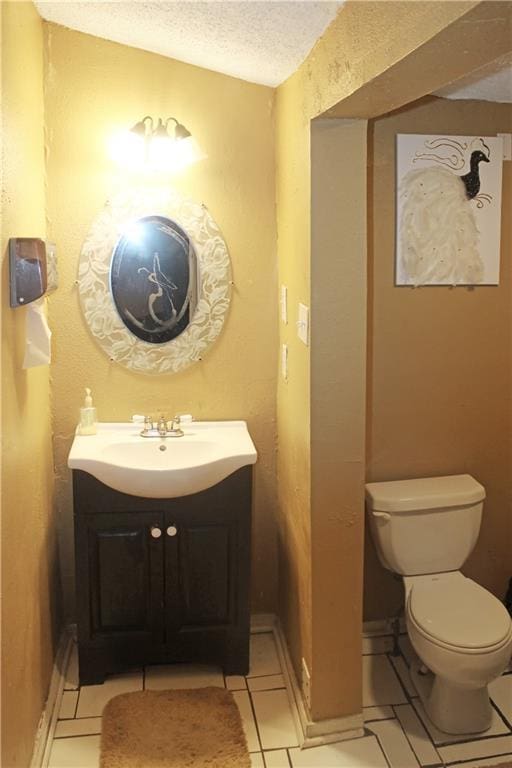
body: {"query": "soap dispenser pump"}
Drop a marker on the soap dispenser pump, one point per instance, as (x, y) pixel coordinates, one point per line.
(88, 416)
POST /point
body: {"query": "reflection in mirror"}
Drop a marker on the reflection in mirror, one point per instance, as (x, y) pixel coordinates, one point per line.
(153, 279)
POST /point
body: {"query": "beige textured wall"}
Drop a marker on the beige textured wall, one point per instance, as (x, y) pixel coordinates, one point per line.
(440, 360)
(374, 57)
(338, 380)
(94, 87)
(29, 588)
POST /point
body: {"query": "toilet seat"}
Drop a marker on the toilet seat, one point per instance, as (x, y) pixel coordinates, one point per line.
(454, 612)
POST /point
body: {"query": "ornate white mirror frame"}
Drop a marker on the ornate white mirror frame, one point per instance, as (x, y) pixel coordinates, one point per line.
(96, 299)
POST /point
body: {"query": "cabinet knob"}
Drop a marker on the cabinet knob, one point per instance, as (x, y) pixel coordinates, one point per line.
(156, 532)
(172, 530)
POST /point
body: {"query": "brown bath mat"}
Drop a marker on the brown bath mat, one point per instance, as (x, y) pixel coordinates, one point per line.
(198, 728)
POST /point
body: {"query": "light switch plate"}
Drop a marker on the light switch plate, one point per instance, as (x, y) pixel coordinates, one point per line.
(303, 324)
(284, 304)
(284, 361)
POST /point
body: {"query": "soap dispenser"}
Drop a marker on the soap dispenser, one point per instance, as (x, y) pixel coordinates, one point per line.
(88, 416)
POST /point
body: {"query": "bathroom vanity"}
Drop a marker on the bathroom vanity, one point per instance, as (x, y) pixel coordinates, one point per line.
(162, 580)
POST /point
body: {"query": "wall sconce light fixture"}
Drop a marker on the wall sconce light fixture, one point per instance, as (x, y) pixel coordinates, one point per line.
(166, 146)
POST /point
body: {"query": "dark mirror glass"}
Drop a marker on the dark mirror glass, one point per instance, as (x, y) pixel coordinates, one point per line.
(153, 278)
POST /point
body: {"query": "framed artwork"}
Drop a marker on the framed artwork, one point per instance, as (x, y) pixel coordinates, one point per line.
(448, 209)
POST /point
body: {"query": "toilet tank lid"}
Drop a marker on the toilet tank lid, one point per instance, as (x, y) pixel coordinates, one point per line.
(424, 493)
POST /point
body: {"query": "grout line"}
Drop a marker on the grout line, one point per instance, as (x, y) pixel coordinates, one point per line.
(75, 710)
(255, 721)
(75, 736)
(474, 737)
(380, 719)
(500, 714)
(405, 733)
(255, 677)
(380, 747)
(402, 686)
(426, 731)
(472, 759)
(423, 723)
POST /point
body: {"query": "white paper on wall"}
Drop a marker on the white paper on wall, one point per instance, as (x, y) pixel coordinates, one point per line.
(448, 209)
(38, 336)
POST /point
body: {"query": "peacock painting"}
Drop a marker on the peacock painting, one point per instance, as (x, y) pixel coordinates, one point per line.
(448, 209)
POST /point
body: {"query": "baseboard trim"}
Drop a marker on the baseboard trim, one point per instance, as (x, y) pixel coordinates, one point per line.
(49, 717)
(313, 733)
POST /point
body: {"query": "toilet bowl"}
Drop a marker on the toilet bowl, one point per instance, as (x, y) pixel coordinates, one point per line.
(424, 529)
(463, 635)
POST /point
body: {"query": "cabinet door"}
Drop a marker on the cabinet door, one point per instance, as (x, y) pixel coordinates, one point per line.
(200, 567)
(120, 576)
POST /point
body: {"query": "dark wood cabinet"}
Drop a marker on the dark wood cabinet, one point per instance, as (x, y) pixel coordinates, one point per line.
(162, 580)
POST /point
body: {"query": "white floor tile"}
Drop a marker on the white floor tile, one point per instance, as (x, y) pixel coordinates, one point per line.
(79, 752)
(417, 735)
(257, 760)
(275, 720)
(497, 728)
(71, 680)
(278, 758)
(266, 683)
(93, 698)
(181, 676)
(68, 705)
(264, 658)
(380, 683)
(84, 726)
(394, 743)
(402, 671)
(251, 734)
(235, 683)
(356, 753)
(471, 750)
(377, 713)
(500, 692)
(377, 644)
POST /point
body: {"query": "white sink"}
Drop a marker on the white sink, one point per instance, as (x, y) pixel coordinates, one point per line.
(163, 467)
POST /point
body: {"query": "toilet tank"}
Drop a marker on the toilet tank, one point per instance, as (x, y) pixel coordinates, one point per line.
(426, 525)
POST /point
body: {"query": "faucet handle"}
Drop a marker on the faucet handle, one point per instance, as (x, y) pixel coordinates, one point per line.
(148, 424)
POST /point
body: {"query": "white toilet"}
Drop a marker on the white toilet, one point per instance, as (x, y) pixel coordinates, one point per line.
(424, 530)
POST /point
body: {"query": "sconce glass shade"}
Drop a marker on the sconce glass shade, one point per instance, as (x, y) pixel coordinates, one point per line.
(140, 128)
(128, 149)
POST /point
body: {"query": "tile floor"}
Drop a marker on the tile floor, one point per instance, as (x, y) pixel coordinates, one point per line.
(397, 732)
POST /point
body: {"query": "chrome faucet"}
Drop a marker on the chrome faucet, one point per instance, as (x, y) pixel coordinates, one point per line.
(162, 428)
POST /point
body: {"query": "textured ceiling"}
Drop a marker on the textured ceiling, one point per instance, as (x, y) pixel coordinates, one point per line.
(490, 83)
(262, 42)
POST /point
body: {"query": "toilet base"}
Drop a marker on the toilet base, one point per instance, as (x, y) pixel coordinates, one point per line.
(452, 709)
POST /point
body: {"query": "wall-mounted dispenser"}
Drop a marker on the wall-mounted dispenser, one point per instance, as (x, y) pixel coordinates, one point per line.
(33, 272)
(33, 269)
(28, 272)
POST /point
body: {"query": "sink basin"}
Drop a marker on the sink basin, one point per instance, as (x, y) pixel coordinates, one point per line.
(163, 467)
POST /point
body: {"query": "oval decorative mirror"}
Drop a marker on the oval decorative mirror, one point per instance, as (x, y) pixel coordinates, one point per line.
(154, 280)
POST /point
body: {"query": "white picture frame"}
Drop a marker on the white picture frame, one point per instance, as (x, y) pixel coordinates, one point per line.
(448, 209)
